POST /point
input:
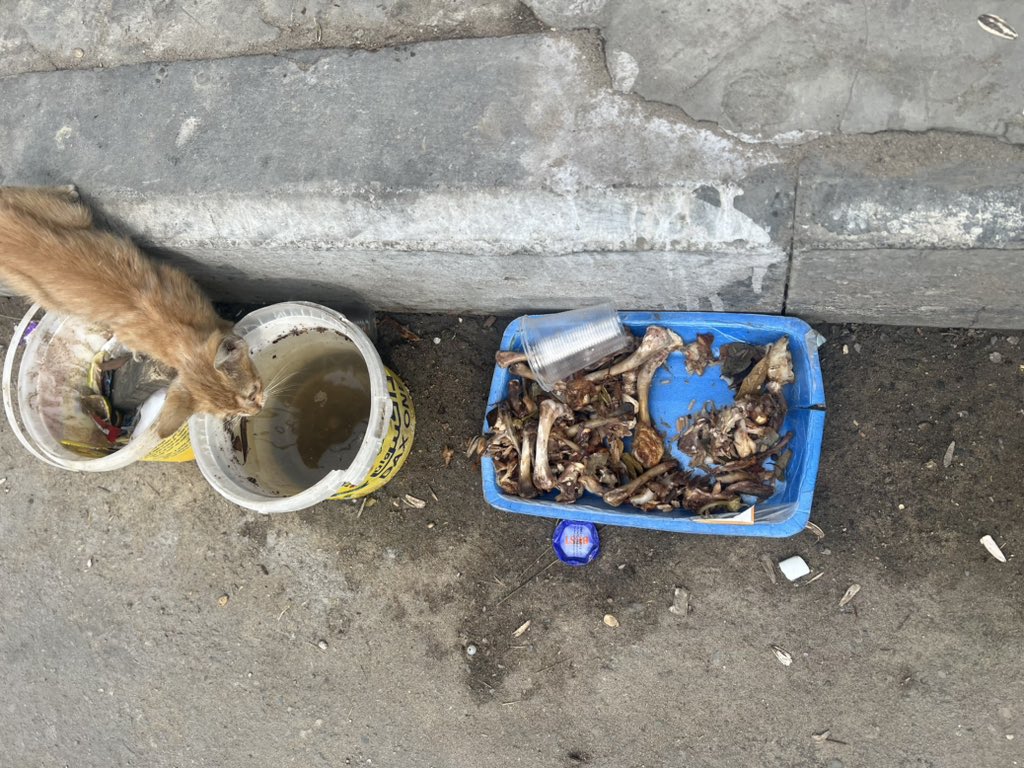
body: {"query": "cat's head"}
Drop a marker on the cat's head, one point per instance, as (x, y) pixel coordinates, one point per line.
(220, 380)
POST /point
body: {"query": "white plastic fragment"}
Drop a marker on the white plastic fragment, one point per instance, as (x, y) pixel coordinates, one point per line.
(993, 549)
(794, 567)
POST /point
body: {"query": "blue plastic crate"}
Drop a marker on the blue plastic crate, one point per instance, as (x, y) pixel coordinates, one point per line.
(785, 513)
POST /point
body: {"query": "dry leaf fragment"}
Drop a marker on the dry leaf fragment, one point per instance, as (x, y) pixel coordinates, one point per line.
(993, 549)
(769, 568)
(611, 621)
(447, 454)
(223, 600)
(522, 629)
(413, 502)
(996, 26)
(490, 321)
(948, 458)
(850, 594)
(403, 330)
(782, 655)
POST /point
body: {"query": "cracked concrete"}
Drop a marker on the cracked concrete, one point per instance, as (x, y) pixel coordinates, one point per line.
(40, 36)
(528, 165)
(790, 70)
(470, 172)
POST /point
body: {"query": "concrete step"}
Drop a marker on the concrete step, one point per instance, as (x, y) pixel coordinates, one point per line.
(508, 174)
(474, 174)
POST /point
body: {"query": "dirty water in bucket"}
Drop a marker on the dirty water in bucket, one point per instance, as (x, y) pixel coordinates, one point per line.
(316, 414)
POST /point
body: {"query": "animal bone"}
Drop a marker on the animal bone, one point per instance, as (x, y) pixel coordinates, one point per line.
(699, 355)
(506, 358)
(526, 487)
(617, 496)
(780, 362)
(648, 444)
(522, 370)
(655, 340)
(550, 412)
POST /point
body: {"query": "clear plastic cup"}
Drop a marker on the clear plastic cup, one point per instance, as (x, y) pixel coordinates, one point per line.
(559, 345)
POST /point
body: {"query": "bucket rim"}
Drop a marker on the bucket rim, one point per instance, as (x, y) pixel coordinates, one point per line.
(204, 428)
(138, 448)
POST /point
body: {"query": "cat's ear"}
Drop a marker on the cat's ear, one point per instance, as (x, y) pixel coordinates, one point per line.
(230, 351)
(178, 406)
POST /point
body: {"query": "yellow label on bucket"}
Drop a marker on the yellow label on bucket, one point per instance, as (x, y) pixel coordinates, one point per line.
(174, 449)
(397, 442)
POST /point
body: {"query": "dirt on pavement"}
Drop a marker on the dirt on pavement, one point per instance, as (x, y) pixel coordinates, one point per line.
(343, 637)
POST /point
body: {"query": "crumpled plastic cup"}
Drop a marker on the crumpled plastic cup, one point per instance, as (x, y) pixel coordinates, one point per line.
(559, 345)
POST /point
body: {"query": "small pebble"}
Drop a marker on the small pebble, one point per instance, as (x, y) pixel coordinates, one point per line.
(1013, 341)
(995, 357)
(322, 645)
(88, 563)
(437, 339)
(223, 600)
(471, 650)
(78, 53)
(856, 348)
(846, 349)
(430, 525)
(901, 507)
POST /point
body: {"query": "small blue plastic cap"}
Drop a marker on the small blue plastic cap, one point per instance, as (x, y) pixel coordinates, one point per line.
(576, 543)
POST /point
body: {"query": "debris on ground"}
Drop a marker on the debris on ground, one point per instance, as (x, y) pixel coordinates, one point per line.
(769, 568)
(403, 330)
(610, 621)
(470, 650)
(996, 358)
(794, 568)
(680, 602)
(414, 502)
(850, 593)
(572, 440)
(491, 320)
(322, 645)
(522, 629)
(994, 25)
(948, 458)
(815, 529)
(993, 549)
(223, 600)
(447, 455)
(784, 656)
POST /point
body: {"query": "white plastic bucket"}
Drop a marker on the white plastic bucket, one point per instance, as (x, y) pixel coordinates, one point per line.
(45, 376)
(385, 445)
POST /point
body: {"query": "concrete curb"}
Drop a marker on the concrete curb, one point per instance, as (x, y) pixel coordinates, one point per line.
(498, 175)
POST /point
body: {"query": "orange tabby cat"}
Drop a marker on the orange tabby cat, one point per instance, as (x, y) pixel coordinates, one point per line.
(50, 253)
